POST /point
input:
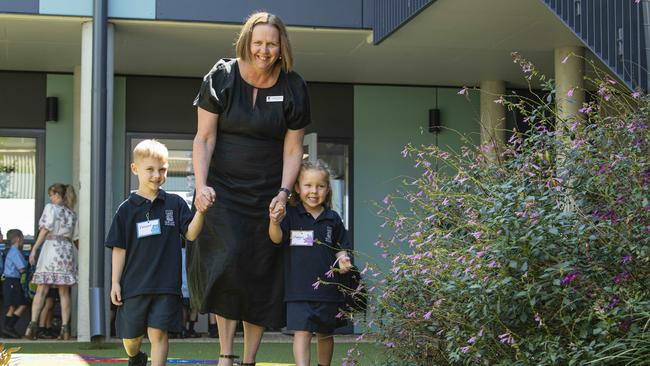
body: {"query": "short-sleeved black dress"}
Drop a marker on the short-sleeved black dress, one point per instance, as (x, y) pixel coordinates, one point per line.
(234, 269)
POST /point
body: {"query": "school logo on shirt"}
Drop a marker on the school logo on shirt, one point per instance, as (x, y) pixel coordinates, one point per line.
(328, 235)
(169, 218)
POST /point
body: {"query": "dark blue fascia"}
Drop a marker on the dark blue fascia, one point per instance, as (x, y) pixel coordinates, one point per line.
(307, 13)
(613, 30)
(19, 6)
(390, 15)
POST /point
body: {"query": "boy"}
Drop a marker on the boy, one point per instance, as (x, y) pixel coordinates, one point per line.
(14, 298)
(146, 266)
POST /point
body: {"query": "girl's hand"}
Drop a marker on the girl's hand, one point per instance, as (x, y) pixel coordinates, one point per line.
(277, 215)
(278, 202)
(345, 264)
(32, 258)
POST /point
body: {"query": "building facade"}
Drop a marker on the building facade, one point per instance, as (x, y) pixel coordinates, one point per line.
(375, 68)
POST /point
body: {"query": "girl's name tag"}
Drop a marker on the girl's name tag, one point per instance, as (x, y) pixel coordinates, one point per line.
(148, 228)
(274, 98)
(302, 238)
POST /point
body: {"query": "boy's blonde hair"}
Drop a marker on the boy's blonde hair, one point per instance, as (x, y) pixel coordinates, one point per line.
(150, 148)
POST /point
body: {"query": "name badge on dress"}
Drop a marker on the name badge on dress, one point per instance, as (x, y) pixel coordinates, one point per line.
(274, 98)
(302, 238)
(148, 228)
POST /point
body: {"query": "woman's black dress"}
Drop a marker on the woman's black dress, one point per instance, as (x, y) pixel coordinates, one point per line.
(235, 270)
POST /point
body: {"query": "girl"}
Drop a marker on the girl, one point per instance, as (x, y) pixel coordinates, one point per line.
(315, 241)
(57, 261)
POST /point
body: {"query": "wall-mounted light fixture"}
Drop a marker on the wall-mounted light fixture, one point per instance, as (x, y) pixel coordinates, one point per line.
(52, 109)
(434, 117)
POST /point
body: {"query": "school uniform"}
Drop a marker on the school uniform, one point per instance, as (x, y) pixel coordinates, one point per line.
(150, 232)
(11, 287)
(310, 247)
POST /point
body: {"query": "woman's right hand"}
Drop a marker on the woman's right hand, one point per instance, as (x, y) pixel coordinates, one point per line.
(32, 258)
(205, 197)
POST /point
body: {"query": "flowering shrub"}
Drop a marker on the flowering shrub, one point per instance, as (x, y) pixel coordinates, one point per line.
(537, 255)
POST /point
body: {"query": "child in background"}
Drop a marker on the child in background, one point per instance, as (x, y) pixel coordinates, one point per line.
(145, 237)
(14, 297)
(315, 242)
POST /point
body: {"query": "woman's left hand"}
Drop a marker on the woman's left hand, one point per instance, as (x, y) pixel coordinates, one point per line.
(278, 204)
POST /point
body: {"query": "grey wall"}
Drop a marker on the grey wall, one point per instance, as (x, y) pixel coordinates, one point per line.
(19, 6)
(22, 100)
(157, 104)
(317, 13)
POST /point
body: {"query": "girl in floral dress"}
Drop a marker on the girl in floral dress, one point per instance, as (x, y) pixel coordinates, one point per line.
(57, 263)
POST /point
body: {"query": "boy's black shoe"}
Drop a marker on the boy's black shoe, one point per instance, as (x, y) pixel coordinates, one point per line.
(212, 330)
(10, 333)
(192, 334)
(139, 360)
(44, 333)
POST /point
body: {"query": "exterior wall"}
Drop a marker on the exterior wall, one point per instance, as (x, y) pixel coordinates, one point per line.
(386, 118)
(58, 135)
(140, 9)
(312, 13)
(331, 13)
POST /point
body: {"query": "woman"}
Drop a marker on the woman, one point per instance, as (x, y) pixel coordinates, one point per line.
(247, 152)
(57, 264)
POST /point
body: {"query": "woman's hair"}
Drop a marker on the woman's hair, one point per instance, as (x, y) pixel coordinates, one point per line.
(242, 46)
(320, 166)
(66, 191)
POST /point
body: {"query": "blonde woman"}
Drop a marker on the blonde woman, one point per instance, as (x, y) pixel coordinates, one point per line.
(252, 112)
(57, 262)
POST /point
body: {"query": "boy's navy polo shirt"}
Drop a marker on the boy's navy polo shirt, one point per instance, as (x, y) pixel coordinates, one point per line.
(304, 265)
(153, 263)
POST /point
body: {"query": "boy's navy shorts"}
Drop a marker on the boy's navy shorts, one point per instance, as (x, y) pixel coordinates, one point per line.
(160, 311)
(13, 292)
(319, 317)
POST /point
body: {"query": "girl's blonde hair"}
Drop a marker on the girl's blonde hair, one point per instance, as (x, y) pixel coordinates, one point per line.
(320, 166)
(242, 46)
(66, 191)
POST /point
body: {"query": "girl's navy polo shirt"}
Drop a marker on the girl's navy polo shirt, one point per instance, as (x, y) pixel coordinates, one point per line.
(153, 263)
(304, 265)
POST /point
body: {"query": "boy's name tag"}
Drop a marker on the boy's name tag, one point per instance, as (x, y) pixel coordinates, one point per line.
(302, 238)
(148, 228)
(274, 98)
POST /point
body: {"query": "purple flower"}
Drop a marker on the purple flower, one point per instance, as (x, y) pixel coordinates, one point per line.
(627, 259)
(570, 92)
(427, 316)
(464, 349)
(621, 277)
(316, 284)
(477, 235)
(636, 94)
(390, 344)
(330, 273)
(615, 301)
(472, 340)
(570, 278)
(506, 338)
(463, 91)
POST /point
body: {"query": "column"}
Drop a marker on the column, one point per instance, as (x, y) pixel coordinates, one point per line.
(569, 81)
(493, 115)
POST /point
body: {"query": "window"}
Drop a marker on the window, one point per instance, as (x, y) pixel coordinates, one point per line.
(21, 181)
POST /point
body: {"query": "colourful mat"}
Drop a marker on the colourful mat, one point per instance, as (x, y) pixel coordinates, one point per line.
(65, 359)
